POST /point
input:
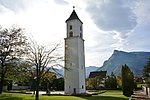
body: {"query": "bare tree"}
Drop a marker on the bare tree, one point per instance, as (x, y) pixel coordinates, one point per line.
(12, 46)
(43, 59)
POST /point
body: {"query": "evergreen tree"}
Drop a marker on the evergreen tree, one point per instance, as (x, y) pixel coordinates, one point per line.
(127, 81)
(111, 82)
(146, 72)
(114, 81)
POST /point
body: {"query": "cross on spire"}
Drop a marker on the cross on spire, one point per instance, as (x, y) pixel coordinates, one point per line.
(73, 7)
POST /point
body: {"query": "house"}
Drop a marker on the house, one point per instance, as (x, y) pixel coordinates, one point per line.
(97, 73)
(96, 80)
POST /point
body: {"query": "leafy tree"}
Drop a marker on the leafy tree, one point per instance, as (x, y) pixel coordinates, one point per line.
(12, 46)
(43, 59)
(127, 81)
(111, 82)
(21, 73)
(94, 83)
(47, 80)
(58, 84)
(146, 72)
(119, 82)
(91, 83)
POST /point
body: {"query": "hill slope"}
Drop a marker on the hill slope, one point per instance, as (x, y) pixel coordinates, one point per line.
(135, 60)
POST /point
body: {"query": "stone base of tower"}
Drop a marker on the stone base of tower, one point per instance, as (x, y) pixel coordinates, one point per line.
(72, 92)
(69, 90)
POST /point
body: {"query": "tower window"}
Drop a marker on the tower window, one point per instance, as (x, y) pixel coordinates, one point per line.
(71, 34)
(80, 28)
(82, 86)
(70, 27)
(81, 35)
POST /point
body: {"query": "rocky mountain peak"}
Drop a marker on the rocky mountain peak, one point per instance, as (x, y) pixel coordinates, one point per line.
(135, 60)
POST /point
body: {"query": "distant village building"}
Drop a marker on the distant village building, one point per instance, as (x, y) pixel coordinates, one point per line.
(74, 56)
(96, 80)
(98, 73)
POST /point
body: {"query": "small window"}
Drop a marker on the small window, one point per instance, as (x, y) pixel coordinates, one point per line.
(80, 28)
(82, 86)
(70, 27)
(71, 34)
(81, 35)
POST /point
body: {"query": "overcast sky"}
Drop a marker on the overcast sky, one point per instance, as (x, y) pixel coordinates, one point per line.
(108, 25)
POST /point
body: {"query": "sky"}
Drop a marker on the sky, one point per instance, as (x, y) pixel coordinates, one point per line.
(108, 25)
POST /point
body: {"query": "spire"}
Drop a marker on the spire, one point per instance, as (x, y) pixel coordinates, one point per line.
(73, 15)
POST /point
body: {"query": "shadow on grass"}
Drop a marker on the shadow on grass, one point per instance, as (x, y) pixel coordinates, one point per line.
(9, 97)
(104, 98)
(28, 97)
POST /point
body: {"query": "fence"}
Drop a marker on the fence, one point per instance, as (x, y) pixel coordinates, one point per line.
(20, 87)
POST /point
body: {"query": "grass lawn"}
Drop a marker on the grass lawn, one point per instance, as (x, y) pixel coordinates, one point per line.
(112, 92)
(108, 95)
(140, 85)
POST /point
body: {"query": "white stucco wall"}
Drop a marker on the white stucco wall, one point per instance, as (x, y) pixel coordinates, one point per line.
(76, 28)
(74, 59)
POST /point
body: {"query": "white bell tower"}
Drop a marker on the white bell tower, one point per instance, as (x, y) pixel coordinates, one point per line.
(74, 56)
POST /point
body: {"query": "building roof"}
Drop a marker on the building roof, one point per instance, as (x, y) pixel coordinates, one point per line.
(97, 73)
(73, 16)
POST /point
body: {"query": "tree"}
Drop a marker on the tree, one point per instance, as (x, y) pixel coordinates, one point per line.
(119, 82)
(22, 72)
(12, 46)
(111, 82)
(58, 84)
(95, 82)
(146, 72)
(91, 83)
(43, 59)
(127, 81)
(47, 80)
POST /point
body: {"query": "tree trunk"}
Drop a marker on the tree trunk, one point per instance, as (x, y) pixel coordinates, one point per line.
(2, 76)
(1, 81)
(48, 88)
(37, 88)
(37, 82)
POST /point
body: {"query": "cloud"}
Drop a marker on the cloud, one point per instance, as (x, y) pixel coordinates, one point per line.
(17, 5)
(112, 15)
(125, 24)
(108, 24)
(61, 2)
(142, 11)
(139, 38)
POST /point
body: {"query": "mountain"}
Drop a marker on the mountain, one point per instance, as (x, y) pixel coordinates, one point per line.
(88, 70)
(135, 60)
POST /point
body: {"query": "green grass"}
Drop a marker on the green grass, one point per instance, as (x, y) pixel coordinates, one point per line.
(107, 92)
(108, 95)
(140, 85)
(112, 92)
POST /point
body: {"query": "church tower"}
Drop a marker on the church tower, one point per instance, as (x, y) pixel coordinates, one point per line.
(74, 56)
